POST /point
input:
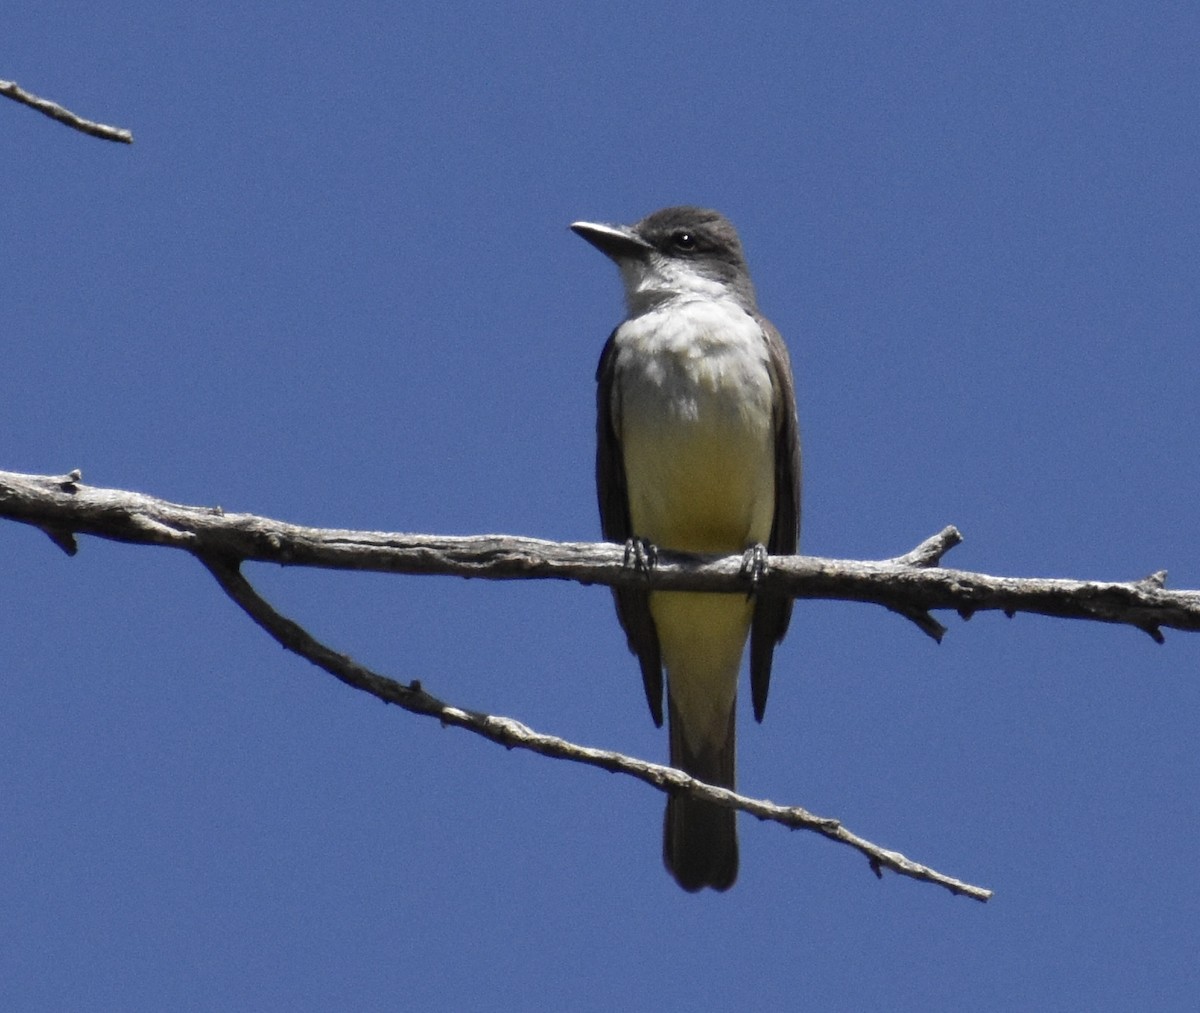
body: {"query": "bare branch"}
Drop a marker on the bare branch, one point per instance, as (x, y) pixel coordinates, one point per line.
(930, 551)
(908, 585)
(57, 112)
(512, 734)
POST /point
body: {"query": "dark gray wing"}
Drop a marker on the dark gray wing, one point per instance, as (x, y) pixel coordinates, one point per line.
(633, 604)
(772, 614)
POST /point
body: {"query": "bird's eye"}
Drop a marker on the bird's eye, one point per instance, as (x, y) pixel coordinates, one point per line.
(684, 240)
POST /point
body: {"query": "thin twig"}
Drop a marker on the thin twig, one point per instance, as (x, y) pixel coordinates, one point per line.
(512, 734)
(56, 112)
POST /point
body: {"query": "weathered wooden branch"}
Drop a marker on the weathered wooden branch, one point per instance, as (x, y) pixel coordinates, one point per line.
(13, 91)
(911, 585)
(514, 735)
(63, 506)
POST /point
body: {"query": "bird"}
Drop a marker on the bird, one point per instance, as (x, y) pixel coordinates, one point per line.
(697, 450)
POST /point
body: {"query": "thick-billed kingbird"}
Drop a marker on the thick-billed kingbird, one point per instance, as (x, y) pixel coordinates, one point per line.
(697, 450)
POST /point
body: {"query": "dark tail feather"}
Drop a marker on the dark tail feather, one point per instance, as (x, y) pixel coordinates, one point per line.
(700, 845)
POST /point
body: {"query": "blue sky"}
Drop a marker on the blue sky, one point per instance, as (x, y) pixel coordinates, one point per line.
(332, 282)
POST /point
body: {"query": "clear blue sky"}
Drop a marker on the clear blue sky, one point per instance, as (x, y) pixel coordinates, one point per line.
(332, 282)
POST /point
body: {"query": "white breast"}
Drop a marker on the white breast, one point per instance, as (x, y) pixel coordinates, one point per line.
(692, 404)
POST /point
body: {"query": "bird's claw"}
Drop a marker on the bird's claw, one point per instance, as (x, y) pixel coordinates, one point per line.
(754, 565)
(640, 555)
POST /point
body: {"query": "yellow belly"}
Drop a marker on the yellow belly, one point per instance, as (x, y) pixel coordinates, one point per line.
(701, 488)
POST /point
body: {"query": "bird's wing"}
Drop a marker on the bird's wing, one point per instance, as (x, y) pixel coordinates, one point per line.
(772, 614)
(633, 604)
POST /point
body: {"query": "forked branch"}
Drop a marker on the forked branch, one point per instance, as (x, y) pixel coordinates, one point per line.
(911, 585)
(514, 735)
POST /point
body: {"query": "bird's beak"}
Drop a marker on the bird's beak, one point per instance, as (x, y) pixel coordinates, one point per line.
(616, 241)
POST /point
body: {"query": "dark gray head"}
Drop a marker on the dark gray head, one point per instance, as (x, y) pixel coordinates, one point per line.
(681, 251)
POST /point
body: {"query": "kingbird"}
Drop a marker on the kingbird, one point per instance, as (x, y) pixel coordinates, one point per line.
(697, 450)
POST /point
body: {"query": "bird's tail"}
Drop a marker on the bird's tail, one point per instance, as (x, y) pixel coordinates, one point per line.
(700, 846)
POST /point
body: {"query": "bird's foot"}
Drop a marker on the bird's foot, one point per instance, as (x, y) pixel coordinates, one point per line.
(754, 565)
(640, 555)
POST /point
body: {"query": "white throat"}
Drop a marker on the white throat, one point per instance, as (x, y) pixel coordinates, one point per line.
(655, 280)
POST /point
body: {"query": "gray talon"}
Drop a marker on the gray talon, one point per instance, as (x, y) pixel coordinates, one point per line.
(640, 555)
(754, 564)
